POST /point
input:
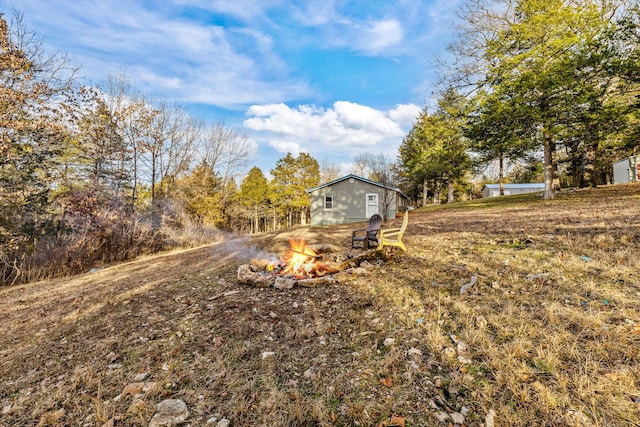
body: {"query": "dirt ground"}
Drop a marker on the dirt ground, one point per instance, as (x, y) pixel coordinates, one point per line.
(548, 334)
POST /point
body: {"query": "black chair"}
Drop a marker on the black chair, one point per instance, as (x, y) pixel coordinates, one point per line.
(368, 236)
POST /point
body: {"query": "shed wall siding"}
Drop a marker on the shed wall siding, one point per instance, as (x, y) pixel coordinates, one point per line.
(627, 170)
(509, 191)
(349, 203)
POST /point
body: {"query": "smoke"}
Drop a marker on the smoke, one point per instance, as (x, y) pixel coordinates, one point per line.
(240, 248)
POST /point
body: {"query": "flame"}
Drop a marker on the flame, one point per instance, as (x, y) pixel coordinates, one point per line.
(302, 261)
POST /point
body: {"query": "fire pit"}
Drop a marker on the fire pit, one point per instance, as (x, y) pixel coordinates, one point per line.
(304, 265)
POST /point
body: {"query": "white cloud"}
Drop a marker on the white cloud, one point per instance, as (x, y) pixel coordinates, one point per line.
(379, 36)
(170, 56)
(405, 114)
(343, 131)
(315, 13)
(360, 117)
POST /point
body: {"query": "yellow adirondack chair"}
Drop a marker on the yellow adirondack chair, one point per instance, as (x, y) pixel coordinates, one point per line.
(393, 236)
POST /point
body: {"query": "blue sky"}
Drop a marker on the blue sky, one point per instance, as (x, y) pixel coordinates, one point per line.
(333, 78)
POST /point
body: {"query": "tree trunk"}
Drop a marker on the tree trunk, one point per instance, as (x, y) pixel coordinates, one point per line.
(256, 219)
(549, 192)
(425, 188)
(275, 223)
(577, 172)
(554, 164)
(589, 177)
(134, 189)
(155, 215)
(501, 174)
(450, 194)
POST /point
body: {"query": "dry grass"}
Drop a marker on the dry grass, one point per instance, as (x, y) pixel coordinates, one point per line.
(548, 336)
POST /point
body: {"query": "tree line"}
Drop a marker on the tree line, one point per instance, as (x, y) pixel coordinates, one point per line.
(548, 85)
(91, 175)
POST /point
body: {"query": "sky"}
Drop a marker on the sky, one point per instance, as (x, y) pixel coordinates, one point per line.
(336, 79)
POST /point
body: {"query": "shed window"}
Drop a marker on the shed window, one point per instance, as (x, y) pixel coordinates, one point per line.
(328, 203)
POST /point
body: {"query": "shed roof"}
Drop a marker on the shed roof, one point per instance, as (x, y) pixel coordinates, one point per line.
(517, 185)
(368, 181)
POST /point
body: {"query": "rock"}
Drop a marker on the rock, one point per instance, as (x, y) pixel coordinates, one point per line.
(6, 410)
(223, 423)
(267, 354)
(141, 377)
(284, 283)
(317, 281)
(414, 352)
(442, 416)
(489, 420)
(457, 418)
(248, 277)
(169, 412)
(388, 342)
(466, 286)
(464, 360)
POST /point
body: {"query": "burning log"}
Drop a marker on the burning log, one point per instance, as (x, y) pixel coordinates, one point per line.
(302, 266)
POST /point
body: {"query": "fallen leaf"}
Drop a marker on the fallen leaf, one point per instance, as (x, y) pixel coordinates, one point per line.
(636, 329)
(388, 381)
(397, 420)
(132, 389)
(333, 417)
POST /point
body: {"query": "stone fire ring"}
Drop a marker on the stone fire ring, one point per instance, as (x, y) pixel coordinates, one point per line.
(344, 267)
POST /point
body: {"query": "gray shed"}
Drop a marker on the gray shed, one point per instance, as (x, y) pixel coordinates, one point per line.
(353, 199)
(493, 190)
(627, 170)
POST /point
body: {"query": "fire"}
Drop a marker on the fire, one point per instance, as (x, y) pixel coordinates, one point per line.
(302, 261)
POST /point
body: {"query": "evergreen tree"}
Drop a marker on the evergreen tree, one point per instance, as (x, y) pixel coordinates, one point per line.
(254, 196)
(292, 176)
(434, 152)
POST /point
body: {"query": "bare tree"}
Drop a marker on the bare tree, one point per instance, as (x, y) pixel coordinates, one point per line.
(329, 171)
(225, 150)
(33, 84)
(379, 168)
(165, 149)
